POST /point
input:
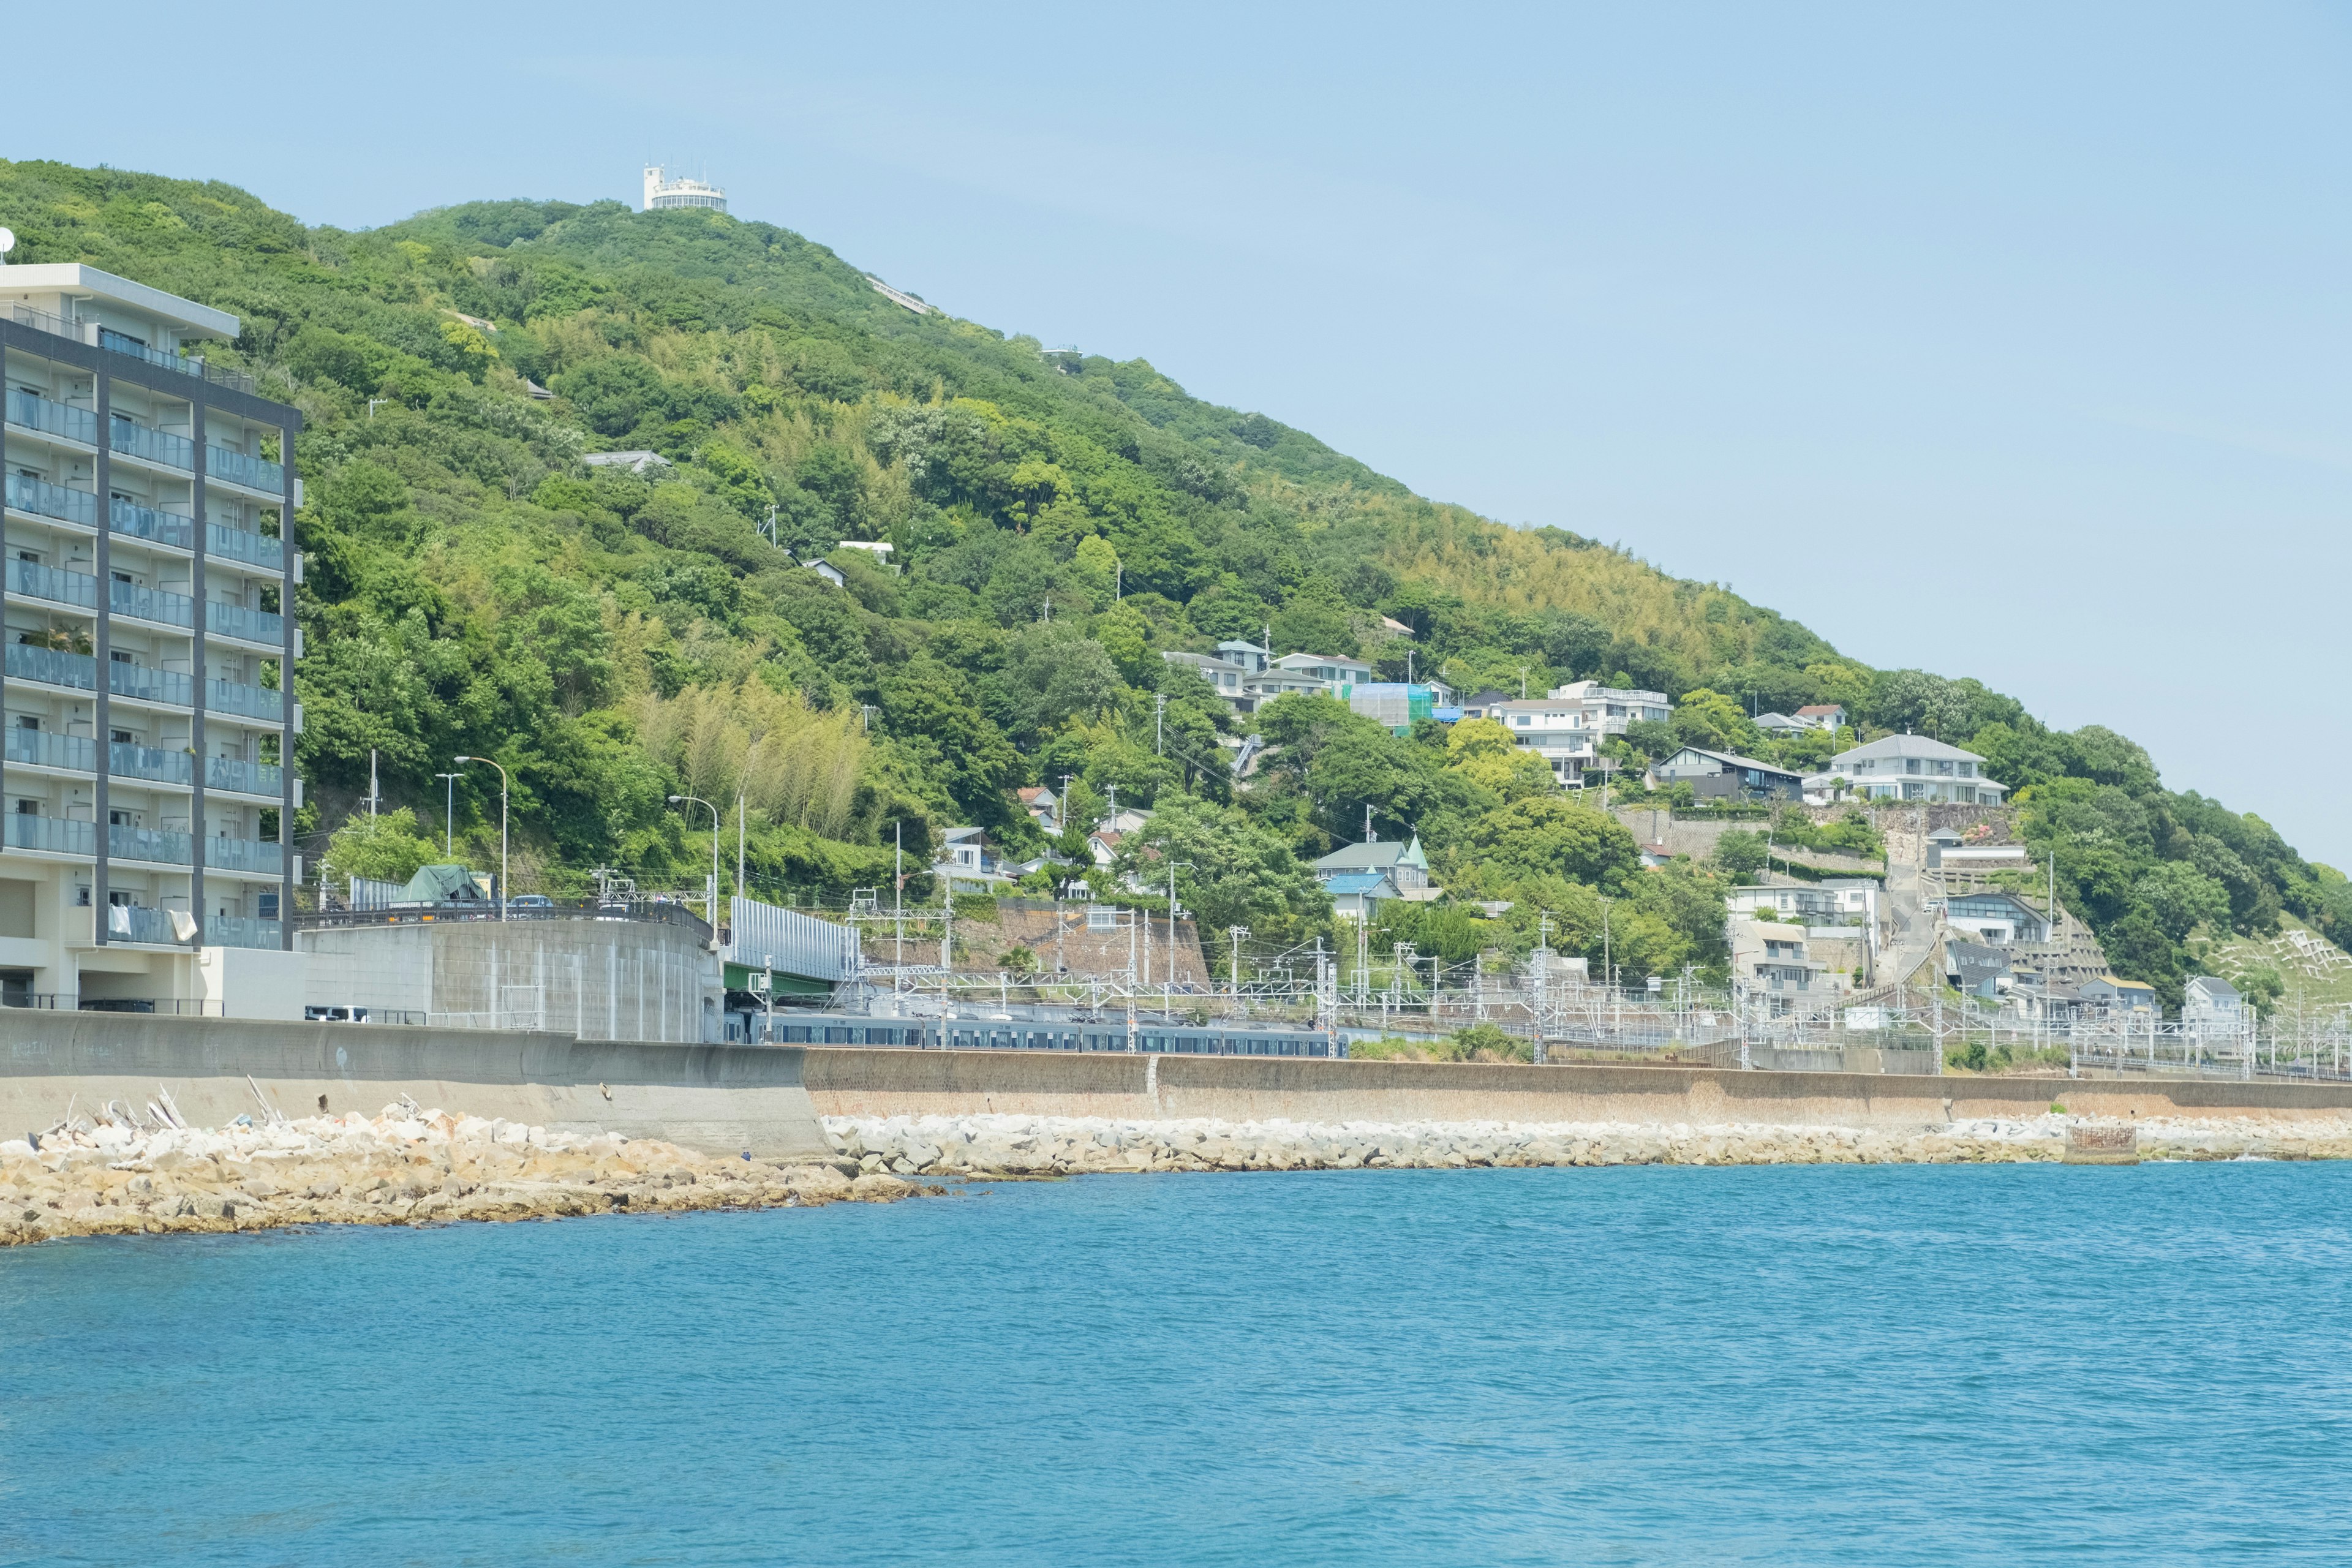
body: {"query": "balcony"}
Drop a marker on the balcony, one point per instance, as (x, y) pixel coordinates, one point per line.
(133, 439)
(54, 834)
(31, 580)
(30, 411)
(245, 547)
(148, 764)
(79, 671)
(132, 520)
(116, 343)
(241, 930)
(254, 473)
(151, 846)
(42, 498)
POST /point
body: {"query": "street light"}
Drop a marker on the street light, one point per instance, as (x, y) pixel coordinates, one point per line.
(710, 902)
(503, 829)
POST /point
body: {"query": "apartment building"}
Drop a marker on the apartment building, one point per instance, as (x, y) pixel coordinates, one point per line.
(148, 670)
(1554, 728)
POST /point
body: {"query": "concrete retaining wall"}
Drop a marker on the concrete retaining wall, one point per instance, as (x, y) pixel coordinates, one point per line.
(1237, 1089)
(711, 1098)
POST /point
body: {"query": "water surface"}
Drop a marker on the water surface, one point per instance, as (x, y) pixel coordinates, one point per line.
(1802, 1366)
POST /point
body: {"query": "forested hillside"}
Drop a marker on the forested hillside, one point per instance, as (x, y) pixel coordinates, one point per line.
(615, 638)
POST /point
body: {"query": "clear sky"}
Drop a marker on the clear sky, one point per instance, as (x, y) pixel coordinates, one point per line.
(2002, 340)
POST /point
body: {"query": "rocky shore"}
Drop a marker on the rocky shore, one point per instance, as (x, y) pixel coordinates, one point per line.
(120, 1172)
(1051, 1145)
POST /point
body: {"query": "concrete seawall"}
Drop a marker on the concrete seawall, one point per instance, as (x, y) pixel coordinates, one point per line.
(713, 1098)
(884, 1083)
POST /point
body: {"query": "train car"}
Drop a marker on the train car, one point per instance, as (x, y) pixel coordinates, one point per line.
(1047, 1034)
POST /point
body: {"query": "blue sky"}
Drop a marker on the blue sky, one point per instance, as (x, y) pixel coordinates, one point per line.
(2005, 341)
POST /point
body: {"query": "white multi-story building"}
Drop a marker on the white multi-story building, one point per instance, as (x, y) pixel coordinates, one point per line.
(663, 191)
(1608, 709)
(1913, 767)
(1553, 727)
(149, 671)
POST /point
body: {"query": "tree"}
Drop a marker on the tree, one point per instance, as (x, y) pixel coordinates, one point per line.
(1230, 871)
(1549, 836)
(386, 848)
(1716, 721)
(1740, 855)
(2180, 898)
(1482, 751)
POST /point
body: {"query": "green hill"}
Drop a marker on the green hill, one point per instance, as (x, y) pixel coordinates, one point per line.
(1060, 520)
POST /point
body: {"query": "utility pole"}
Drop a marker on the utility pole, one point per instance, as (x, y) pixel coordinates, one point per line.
(373, 792)
(947, 929)
(1542, 956)
(449, 817)
(1130, 980)
(502, 830)
(899, 896)
(1233, 975)
(738, 844)
(1159, 725)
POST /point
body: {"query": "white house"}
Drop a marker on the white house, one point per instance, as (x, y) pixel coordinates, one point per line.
(2212, 1008)
(1333, 673)
(1913, 767)
(1837, 901)
(1822, 716)
(1781, 724)
(1231, 680)
(1554, 728)
(969, 862)
(1609, 709)
(1044, 808)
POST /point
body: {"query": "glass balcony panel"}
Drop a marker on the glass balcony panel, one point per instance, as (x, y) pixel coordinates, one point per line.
(245, 701)
(259, 473)
(136, 922)
(246, 778)
(153, 763)
(244, 855)
(243, 930)
(150, 685)
(55, 834)
(151, 603)
(245, 545)
(31, 411)
(45, 500)
(136, 522)
(159, 846)
(135, 440)
(165, 358)
(52, 665)
(31, 580)
(237, 621)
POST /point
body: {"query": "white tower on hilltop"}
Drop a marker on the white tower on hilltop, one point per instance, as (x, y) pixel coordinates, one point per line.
(680, 191)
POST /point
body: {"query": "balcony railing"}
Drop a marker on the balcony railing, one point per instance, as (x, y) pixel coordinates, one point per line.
(243, 930)
(116, 343)
(136, 440)
(237, 621)
(55, 667)
(257, 473)
(135, 522)
(30, 411)
(244, 544)
(31, 580)
(45, 500)
(55, 834)
(243, 777)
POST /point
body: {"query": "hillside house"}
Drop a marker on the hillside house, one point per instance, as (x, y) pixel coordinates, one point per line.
(1997, 918)
(2212, 1008)
(1248, 655)
(2120, 995)
(1772, 956)
(968, 862)
(1356, 895)
(1044, 807)
(1826, 716)
(1913, 767)
(1553, 727)
(1781, 724)
(1838, 901)
(1334, 674)
(1974, 969)
(1403, 865)
(1727, 776)
(1230, 680)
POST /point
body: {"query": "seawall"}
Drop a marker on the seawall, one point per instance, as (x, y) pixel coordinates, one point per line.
(886, 1083)
(713, 1098)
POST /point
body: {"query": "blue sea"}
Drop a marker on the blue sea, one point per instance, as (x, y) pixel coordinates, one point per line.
(1800, 1365)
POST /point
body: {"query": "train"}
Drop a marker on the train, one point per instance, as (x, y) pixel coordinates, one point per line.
(1223, 1039)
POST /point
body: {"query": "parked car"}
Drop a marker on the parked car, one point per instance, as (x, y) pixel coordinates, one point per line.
(531, 901)
(335, 1014)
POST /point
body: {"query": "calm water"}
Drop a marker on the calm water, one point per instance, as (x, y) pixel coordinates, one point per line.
(1793, 1365)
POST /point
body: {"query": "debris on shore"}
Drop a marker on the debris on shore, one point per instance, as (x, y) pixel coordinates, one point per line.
(122, 1172)
(983, 1145)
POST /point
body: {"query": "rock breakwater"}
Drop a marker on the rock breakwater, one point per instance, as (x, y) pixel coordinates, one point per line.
(123, 1173)
(981, 1145)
